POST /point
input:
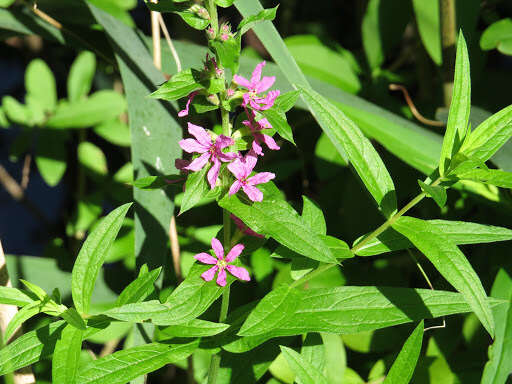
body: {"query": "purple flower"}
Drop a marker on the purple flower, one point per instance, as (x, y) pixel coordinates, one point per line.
(244, 228)
(242, 168)
(210, 151)
(221, 263)
(256, 127)
(256, 86)
(184, 112)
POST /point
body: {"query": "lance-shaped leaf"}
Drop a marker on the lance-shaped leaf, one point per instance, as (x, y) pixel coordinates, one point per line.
(137, 312)
(403, 368)
(81, 75)
(347, 310)
(157, 182)
(178, 86)
(278, 121)
(495, 177)
(193, 328)
(277, 219)
(20, 317)
(123, 366)
(450, 262)
(92, 255)
(458, 116)
(251, 21)
(196, 188)
(436, 192)
(489, 136)
(306, 372)
(459, 232)
(139, 289)
(66, 356)
(14, 296)
(40, 84)
(349, 140)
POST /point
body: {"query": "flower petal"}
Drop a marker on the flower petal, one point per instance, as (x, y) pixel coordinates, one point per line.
(221, 277)
(181, 164)
(256, 74)
(234, 253)
(191, 146)
(209, 274)
(253, 193)
(237, 168)
(217, 248)
(271, 143)
(206, 258)
(200, 134)
(240, 80)
(265, 84)
(261, 178)
(250, 160)
(228, 156)
(223, 142)
(256, 147)
(198, 163)
(235, 187)
(184, 112)
(239, 272)
(213, 173)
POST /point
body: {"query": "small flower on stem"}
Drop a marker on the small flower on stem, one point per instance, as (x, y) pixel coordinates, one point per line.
(255, 86)
(210, 150)
(256, 127)
(244, 228)
(222, 263)
(242, 168)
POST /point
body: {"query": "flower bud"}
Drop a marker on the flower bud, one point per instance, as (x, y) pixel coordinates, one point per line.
(200, 11)
(210, 33)
(214, 99)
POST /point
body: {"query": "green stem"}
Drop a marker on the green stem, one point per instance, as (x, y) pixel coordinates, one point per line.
(214, 18)
(448, 41)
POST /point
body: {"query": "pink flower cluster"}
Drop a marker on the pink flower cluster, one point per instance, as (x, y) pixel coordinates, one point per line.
(215, 150)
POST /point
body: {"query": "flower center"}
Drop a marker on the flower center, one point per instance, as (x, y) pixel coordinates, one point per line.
(221, 263)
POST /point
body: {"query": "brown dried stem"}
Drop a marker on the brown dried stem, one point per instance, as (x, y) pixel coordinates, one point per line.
(412, 107)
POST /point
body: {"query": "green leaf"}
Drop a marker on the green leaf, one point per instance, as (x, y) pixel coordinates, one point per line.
(14, 296)
(249, 22)
(51, 156)
(139, 311)
(81, 75)
(498, 35)
(458, 232)
(436, 192)
(164, 6)
(123, 366)
(196, 188)
(277, 219)
(92, 158)
(38, 291)
(15, 111)
(403, 368)
(193, 20)
(313, 350)
(278, 121)
(91, 257)
(224, 3)
(286, 312)
(458, 116)
(429, 21)
(499, 366)
(495, 177)
(335, 358)
(192, 297)
(286, 101)
(115, 132)
(66, 357)
(317, 60)
(313, 216)
(20, 317)
(228, 52)
(450, 262)
(139, 289)
(5, 3)
(489, 136)
(40, 84)
(100, 106)
(73, 318)
(158, 182)
(193, 328)
(347, 138)
(305, 371)
(178, 86)
(30, 347)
